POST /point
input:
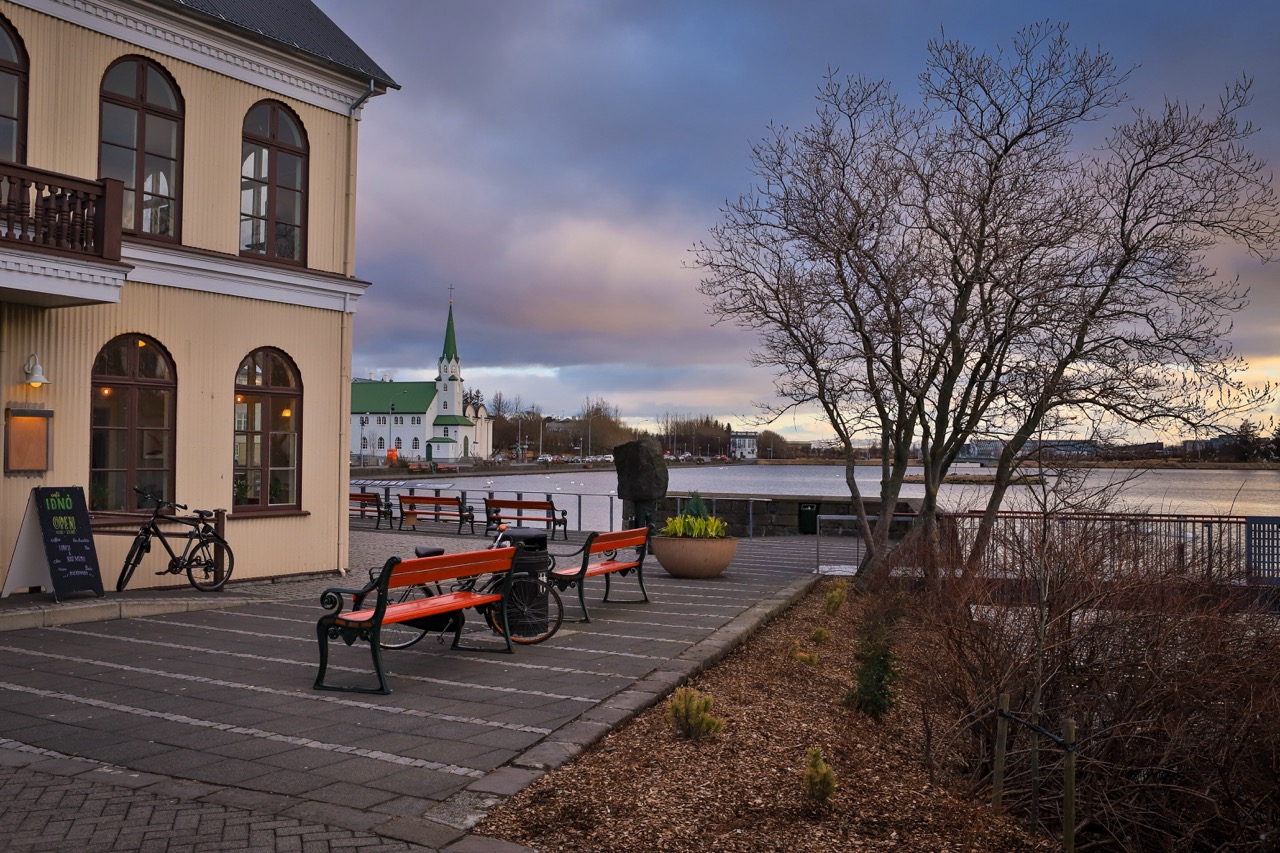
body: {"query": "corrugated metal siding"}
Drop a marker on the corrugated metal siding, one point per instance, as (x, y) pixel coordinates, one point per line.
(206, 333)
(67, 64)
(68, 340)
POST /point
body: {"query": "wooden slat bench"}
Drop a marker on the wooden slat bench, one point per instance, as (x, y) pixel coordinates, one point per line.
(600, 557)
(365, 623)
(362, 503)
(435, 508)
(497, 511)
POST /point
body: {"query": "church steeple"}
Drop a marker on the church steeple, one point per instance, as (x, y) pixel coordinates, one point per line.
(450, 353)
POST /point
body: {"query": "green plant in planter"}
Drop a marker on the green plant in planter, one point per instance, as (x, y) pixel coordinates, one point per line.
(695, 522)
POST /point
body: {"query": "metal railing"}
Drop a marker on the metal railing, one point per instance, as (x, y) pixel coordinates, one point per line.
(1210, 546)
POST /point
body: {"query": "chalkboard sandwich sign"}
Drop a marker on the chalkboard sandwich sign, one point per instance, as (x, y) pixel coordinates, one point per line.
(55, 545)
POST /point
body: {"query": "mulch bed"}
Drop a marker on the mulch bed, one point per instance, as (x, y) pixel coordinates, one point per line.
(643, 788)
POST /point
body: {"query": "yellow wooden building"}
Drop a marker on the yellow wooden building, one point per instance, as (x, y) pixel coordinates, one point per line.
(177, 221)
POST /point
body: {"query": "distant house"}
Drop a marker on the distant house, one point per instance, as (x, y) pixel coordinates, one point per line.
(981, 448)
(177, 259)
(424, 421)
(742, 445)
(1061, 447)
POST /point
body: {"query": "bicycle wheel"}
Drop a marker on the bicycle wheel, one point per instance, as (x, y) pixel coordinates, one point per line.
(202, 564)
(139, 548)
(534, 613)
(400, 635)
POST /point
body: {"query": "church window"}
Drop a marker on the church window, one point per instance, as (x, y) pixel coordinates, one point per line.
(382, 444)
(446, 405)
(398, 444)
(364, 443)
(446, 432)
(415, 444)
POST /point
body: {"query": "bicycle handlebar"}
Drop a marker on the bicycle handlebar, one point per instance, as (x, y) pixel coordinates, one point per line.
(159, 502)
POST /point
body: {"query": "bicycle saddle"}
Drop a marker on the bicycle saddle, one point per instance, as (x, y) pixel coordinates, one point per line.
(203, 513)
(427, 551)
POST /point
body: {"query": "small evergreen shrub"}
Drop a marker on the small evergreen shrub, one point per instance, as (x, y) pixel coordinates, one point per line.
(690, 712)
(837, 596)
(819, 778)
(820, 636)
(873, 693)
(797, 653)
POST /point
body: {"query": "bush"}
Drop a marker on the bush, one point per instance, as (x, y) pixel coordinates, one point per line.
(819, 778)
(1171, 678)
(837, 596)
(690, 712)
(820, 636)
(873, 693)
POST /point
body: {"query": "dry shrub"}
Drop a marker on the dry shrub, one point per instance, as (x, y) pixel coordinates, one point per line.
(1172, 681)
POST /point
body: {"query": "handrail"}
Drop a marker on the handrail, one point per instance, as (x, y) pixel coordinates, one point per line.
(60, 213)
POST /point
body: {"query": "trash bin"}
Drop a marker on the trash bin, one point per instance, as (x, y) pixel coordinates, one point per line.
(527, 613)
(807, 518)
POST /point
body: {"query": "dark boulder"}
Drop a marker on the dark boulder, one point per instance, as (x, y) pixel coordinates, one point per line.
(642, 478)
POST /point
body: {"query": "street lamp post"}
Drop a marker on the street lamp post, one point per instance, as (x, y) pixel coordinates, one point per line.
(364, 421)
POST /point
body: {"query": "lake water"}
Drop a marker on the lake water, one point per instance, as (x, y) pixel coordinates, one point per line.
(586, 494)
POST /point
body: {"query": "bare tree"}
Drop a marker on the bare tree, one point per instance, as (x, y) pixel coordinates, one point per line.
(959, 270)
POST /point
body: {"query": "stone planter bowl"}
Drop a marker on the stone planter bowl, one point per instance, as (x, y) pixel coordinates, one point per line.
(685, 557)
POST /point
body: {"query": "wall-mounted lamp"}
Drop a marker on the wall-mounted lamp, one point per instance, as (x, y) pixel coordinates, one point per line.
(35, 373)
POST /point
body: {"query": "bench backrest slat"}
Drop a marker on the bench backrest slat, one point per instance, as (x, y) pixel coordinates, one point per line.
(506, 504)
(429, 500)
(446, 567)
(634, 538)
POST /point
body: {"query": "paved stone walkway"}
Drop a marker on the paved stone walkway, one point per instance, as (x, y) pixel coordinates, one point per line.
(196, 727)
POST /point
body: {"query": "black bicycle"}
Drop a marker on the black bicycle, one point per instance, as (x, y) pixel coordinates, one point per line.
(534, 609)
(200, 552)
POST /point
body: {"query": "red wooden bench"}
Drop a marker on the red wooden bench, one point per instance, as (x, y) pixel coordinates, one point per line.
(497, 511)
(430, 507)
(362, 503)
(365, 623)
(600, 557)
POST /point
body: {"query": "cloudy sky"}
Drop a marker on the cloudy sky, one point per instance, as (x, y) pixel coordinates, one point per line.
(555, 160)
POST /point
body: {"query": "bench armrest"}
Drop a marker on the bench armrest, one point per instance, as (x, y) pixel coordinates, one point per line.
(331, 598)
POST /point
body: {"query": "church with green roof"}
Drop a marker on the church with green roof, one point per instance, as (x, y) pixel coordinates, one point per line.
(421, 421)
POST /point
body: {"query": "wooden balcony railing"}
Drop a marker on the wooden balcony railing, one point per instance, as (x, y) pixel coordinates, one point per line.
(47, 212)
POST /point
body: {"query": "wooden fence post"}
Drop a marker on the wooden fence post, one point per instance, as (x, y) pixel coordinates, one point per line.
(1002, 735)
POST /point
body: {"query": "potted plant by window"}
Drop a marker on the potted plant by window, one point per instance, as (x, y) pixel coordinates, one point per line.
(694, 544)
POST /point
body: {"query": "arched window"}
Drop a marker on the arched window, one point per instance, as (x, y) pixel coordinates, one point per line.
(364, 444)
(13, 95)
(416, 445)
(273, 184)
(141, 144)
(382, 444)
(399, 446)
(268, 432)
(132, 423)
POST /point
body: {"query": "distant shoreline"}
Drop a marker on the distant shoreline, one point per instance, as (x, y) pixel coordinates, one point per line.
(1132, 464)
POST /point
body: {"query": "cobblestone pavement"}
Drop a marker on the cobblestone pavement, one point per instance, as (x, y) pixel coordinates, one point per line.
(182, 728)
